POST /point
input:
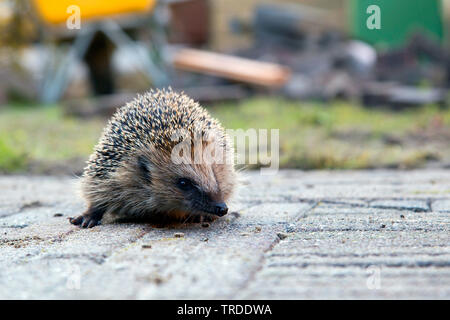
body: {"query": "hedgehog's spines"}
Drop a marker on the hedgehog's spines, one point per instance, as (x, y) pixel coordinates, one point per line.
(150, 118)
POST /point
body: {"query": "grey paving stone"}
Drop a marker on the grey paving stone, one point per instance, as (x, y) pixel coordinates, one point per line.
(441, 205)
(316, 264)
(319, 234)
(413, 205)
(269, 213)
(377, 184)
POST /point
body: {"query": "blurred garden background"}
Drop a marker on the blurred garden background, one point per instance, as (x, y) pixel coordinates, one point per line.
(344, 93)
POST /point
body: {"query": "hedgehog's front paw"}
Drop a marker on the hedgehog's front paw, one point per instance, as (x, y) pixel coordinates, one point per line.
(89, 219)
(207, 218)
(202, 218)
(85, 221)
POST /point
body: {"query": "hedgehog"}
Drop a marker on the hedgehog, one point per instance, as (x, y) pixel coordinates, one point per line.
(161, 157)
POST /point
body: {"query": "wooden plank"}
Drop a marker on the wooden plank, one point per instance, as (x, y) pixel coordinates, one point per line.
(231, 67)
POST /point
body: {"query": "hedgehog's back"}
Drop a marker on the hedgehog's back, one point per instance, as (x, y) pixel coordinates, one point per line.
(150, 119)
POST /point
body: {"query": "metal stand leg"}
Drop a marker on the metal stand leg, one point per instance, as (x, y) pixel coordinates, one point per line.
(57, 78)
(57, 72)
(120, 38)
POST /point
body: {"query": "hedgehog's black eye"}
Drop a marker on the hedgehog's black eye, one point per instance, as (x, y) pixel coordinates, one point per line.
(185, 184)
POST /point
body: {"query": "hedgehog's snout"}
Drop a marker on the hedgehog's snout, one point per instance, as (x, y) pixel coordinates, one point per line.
(220, 209)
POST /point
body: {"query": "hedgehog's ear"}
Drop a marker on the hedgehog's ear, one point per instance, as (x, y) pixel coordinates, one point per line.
(144, 167)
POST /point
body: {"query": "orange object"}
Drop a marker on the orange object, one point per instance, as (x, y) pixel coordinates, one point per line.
(231, 67)
(58, 11)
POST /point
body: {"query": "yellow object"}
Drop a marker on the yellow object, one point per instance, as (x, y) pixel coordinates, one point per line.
(58, 11)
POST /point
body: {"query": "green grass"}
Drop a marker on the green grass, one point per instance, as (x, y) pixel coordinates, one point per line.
(280, 113)
(43, 135)
(312, 135)
(339, 134)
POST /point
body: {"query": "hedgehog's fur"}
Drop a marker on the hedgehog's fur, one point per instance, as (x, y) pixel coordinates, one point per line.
(131, 173)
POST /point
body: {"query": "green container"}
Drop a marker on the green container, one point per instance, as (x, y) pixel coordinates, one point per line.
(398, 20)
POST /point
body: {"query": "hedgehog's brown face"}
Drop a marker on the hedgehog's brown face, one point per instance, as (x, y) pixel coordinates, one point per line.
(194, 189)
(197, 199)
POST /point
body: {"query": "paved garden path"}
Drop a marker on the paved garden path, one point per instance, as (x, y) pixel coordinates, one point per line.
(294, 235)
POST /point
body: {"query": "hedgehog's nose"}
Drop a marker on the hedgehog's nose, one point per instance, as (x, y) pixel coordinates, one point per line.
(221, 209)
